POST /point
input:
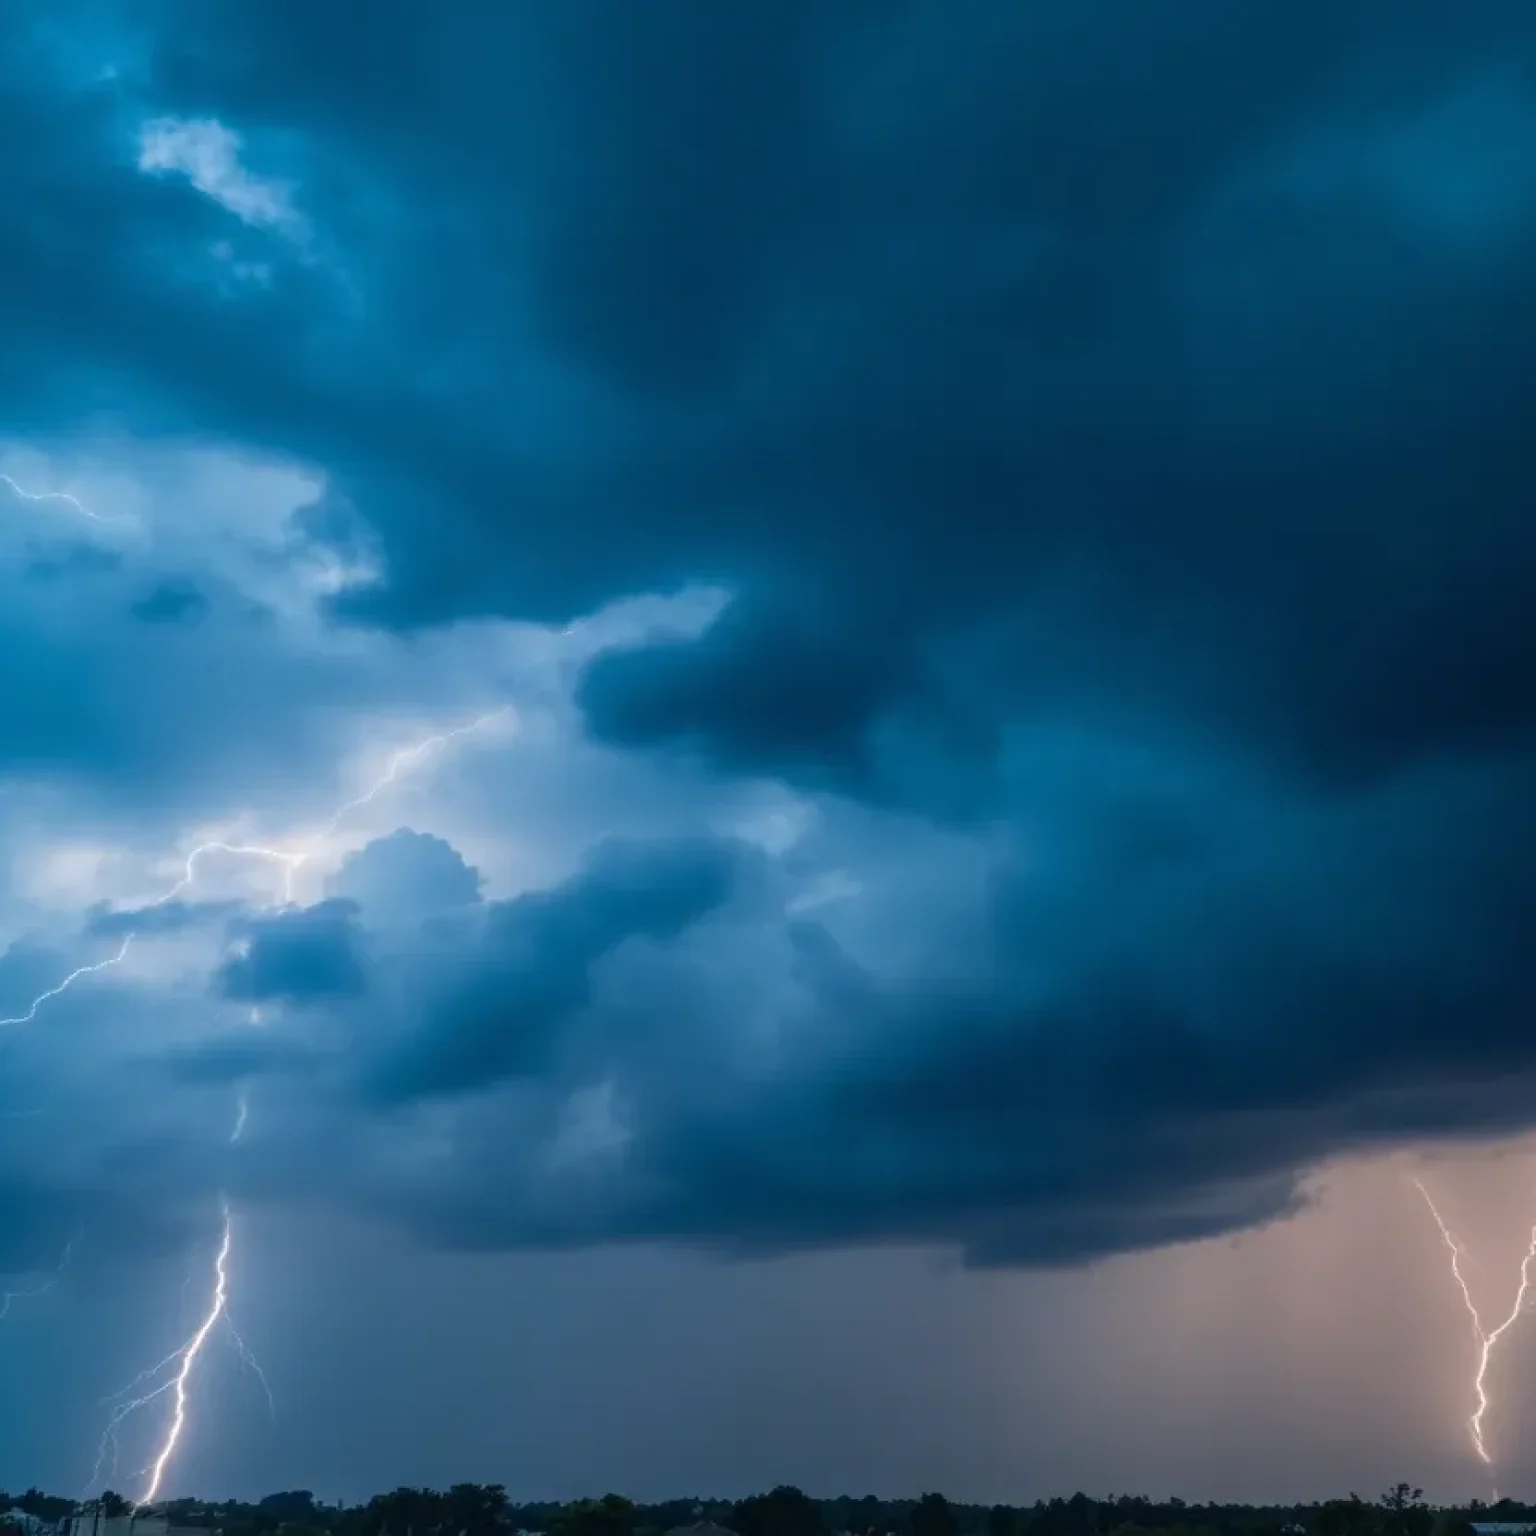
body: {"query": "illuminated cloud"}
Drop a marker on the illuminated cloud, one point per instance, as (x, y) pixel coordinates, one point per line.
(209, 155)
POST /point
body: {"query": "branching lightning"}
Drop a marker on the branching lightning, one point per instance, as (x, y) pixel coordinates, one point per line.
(292, 861)
(8, 1299)
(188, 1357)
(172, 1376)
(1487, 1339)
(179, 1365)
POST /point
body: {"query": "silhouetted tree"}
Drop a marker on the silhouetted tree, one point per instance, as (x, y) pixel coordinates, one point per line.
(297, 1504)
(46, 1506)
(1346, 1517)
(611, 1515)
(1405, 1513)
(786, 1511)
(932, 1515)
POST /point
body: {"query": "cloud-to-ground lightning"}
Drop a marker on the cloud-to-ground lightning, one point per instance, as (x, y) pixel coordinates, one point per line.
(62, 497)
(172, 1376)
(291, 860)
(8, 1299)
(1486, 1339)
(189, 1353)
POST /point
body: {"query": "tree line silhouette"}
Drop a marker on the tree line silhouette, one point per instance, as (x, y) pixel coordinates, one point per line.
(486, 1509)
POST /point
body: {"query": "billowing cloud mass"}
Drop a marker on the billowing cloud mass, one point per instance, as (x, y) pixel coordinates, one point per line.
(1001, 536)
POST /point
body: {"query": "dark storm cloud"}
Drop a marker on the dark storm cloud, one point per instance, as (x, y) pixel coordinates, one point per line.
(1113, 425)
(1192, 988)
(916, 316)
(493, 1001)
(301, 958)
(235, 1055)
(172, 602)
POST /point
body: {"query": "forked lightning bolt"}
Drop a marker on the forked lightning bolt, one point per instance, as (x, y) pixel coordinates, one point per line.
(1487, 1339)
(292, 861)
(172, 1376)
(189, 1353)
(180, 1364)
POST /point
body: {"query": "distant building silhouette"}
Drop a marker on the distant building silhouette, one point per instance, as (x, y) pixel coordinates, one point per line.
(92, 1520)
(702, 1528)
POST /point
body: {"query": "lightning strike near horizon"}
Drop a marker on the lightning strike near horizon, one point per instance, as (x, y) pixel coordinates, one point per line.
(291, 860)
(177, 1369)
(181, 1362)
(1487, 1339)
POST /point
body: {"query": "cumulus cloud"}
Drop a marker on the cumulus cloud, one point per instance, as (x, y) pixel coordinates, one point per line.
(406, 875)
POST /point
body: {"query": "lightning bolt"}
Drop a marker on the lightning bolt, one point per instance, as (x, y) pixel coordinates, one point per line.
(8, 1299)
(292, 861)
(69, 981)
(63, 497)
(1487, 1340)
(172, 1376)
(188, 1357)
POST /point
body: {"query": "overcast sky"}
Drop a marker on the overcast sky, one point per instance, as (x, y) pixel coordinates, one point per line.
(855, 684)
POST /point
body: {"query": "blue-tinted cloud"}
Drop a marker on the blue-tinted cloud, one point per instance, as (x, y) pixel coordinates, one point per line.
(406, 875)
(1111, 440)
(298, 958)
(494, 998)
(237, 1055)
(172, 602)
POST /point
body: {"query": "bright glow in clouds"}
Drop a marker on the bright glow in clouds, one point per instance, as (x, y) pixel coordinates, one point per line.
(208, 155)
(182, 1362)
(1487, 1339)
(291, 862)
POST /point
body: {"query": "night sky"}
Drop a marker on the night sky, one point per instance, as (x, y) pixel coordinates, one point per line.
(982, 557)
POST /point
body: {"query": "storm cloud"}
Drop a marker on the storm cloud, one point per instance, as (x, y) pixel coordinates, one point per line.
(1100, 791)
